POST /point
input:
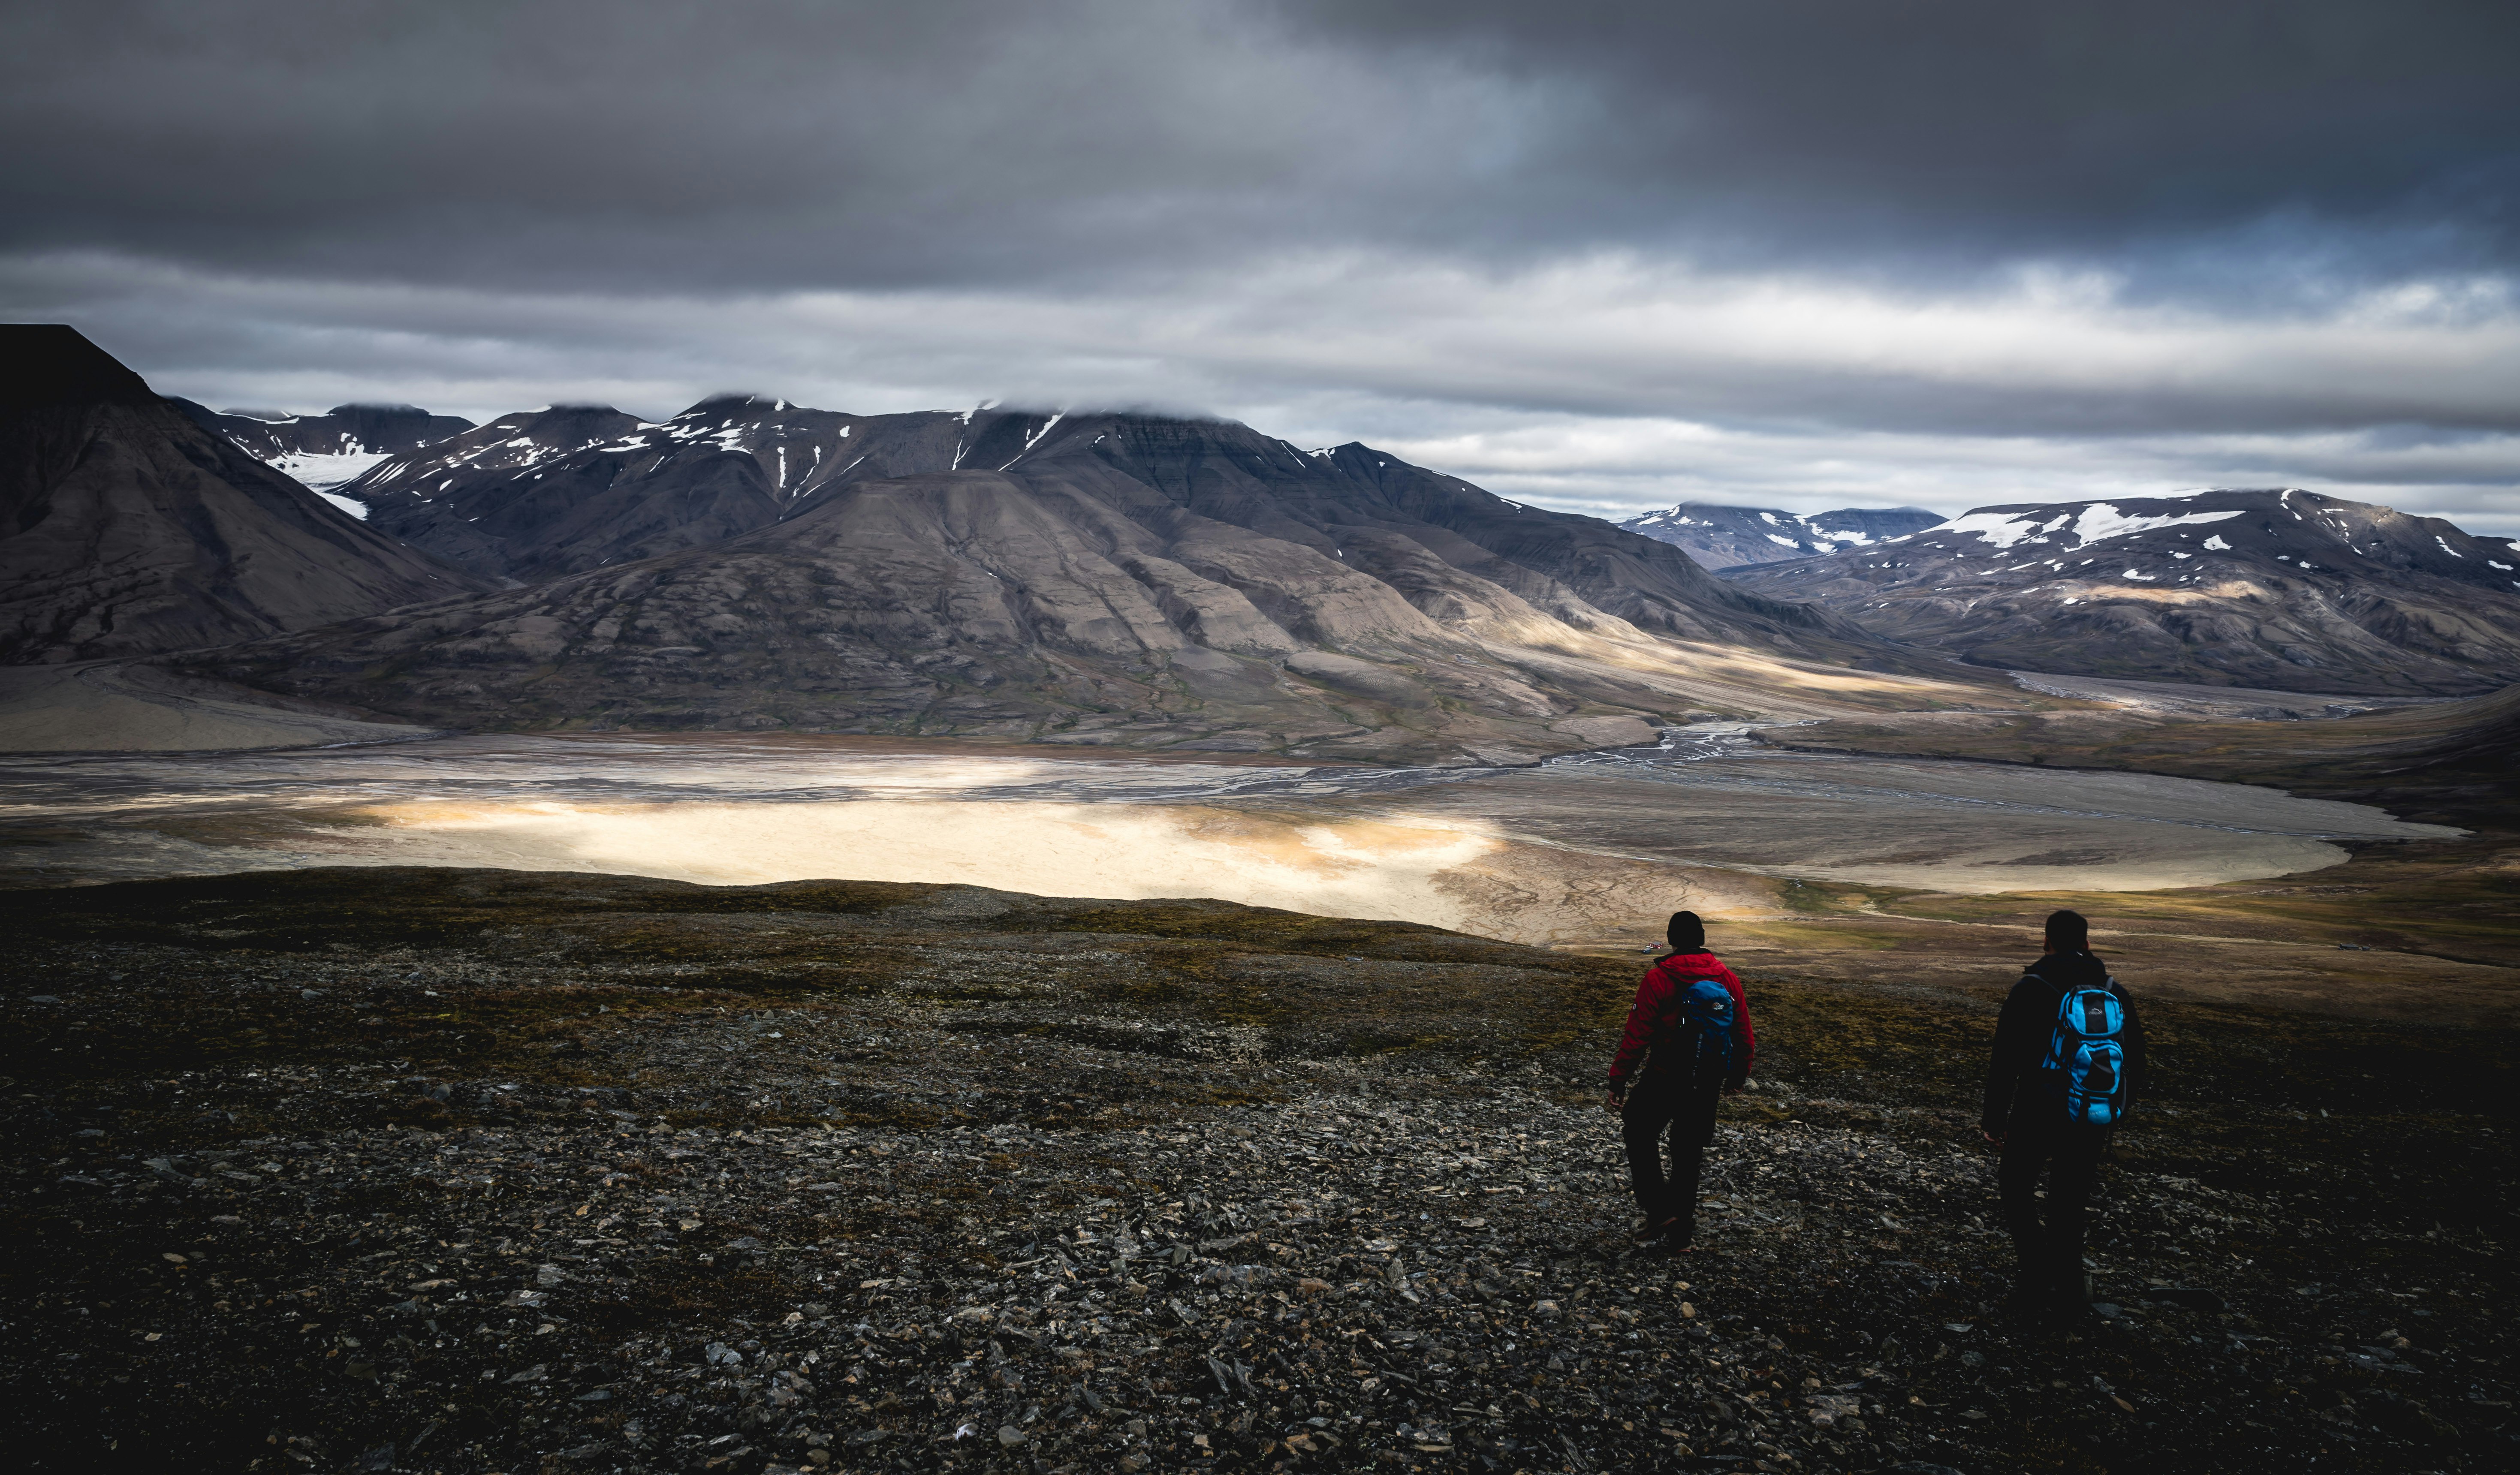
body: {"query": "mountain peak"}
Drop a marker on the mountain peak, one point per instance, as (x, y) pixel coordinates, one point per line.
(1720, 535)
(207, 542)
(736, 404)
(47, 364)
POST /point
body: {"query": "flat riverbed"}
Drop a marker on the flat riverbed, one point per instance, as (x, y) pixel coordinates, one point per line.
(1575, 849)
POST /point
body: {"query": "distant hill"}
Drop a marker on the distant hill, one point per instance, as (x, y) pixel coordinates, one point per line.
(1097, 578)
(1718, 536)
(325, 450)
(127, 527)
(2277, 587)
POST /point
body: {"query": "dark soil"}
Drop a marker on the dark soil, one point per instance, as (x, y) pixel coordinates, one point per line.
(478, 1171)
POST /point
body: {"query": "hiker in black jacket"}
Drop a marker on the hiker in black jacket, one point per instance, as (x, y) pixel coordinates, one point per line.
(2054, 1092)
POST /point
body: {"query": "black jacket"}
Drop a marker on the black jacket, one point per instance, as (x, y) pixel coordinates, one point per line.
(2015, 1085)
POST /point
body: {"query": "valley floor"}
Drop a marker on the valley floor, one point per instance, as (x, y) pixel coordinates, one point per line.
(441, 1170)
(1585, 849)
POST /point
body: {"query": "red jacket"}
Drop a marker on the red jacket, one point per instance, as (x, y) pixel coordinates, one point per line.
(1654, 1002)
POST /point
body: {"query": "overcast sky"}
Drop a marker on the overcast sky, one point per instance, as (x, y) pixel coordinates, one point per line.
(1789, 252)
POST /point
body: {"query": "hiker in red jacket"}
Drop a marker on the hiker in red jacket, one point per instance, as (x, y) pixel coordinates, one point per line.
(1687, 1041)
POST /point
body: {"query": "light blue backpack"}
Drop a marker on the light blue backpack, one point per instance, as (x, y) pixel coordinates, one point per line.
(2086, 1050)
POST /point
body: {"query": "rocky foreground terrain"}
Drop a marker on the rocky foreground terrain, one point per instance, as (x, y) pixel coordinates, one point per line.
(474, 1170)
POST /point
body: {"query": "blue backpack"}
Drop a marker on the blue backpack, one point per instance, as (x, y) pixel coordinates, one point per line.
(2085, 1049)
(1696, 1037)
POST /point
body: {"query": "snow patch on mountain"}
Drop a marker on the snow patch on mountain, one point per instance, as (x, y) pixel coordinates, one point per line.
(1718, 536)
(2257, 586)
(320, 471)
(2097, 521)
(2002, 529)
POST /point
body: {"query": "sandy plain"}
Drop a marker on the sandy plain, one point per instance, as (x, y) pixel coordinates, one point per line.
(1900, 873)
(1592, 849)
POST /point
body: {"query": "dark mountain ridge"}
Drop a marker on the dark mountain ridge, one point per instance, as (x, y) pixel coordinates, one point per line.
(2274, 587)
(550, 492)
(1066, 578)
(1721, 536)
(126, 528)
(534, 496)
(323, 451)
(342, 430)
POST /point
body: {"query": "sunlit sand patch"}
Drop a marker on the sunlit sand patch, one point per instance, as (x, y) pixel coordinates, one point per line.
(1385, 868)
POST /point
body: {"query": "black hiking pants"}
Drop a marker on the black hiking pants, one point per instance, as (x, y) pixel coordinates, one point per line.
(1687, 1114)
(2050, 1245)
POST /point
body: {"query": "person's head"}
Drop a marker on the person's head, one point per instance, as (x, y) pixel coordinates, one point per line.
(2068, 932)
(1685, 933)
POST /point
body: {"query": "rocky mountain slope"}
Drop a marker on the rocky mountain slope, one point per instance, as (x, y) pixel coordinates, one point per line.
(125, 527)
(1720, 536)
(323, 451)
(550, 492)
(2277, 587)
(1100, 578)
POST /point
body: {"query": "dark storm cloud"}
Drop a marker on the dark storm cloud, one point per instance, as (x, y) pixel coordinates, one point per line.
(769, 144)
(1853, 249)
(752, 142)
(2312, 130)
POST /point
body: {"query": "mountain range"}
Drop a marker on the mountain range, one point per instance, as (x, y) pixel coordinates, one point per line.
(323, 451)
(2276, 588)
(753, 564)
(1124, 579)
(1102, 578)
(570, 488)
(127, 528)
(1720, 536)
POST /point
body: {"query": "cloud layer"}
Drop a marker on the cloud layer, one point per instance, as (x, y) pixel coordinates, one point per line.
(1600, 256)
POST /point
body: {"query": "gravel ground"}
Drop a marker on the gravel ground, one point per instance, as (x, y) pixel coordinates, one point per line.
(560, 1176)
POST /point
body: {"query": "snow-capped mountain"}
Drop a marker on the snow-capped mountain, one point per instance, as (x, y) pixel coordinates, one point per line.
(1724, 537)
(556, 491)
(323, 451)
(2280, 587)
(1100, 578)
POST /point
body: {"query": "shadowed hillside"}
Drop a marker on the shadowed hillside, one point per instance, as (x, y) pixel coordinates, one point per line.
(127, 528)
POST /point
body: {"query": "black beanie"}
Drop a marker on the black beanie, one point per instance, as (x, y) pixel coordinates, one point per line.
(1685, 933)
(2069, 932)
